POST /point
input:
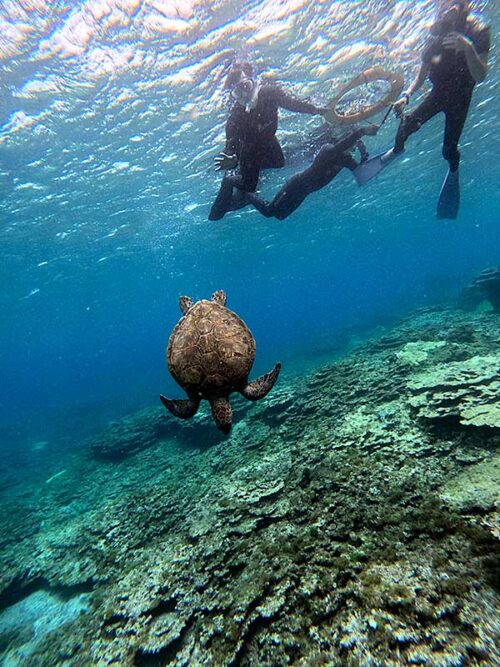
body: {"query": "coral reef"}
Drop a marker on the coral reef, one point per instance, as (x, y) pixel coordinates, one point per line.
(145, 429)
(468, 390)
(131, 435)
(26, 623)
(340, 524)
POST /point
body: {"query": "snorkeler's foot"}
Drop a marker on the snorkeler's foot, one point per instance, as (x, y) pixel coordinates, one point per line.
(449, 197)
(370, 168)
(385, 158)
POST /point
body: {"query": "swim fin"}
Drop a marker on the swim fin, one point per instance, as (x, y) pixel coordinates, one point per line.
(368, 169)
(449, 197)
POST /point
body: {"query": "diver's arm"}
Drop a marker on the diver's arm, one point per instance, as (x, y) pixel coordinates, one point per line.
(415, 85)
(351, 139)
(232, 135)
(477, 63)
(228, 159)
(291, 103)
(419, 80)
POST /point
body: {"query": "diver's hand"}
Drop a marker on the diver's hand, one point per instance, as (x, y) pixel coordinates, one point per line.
(371, 130)
(454, 41)
(399, 106)
(223, 162)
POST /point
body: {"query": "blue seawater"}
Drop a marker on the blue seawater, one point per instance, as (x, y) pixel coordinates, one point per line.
(111, 112)
(111, 116)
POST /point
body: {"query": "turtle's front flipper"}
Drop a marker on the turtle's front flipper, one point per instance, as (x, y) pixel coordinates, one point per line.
(262, 385)
(181, 409)
(222, 414)
(219, 297)
(185, 303)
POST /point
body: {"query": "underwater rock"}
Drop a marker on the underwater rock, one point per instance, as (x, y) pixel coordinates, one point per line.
(147, 428)
(467, 391)
(476, 489)
(415, 353)
(485, 287)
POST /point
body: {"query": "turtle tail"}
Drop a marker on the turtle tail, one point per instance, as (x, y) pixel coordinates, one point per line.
(222, 414)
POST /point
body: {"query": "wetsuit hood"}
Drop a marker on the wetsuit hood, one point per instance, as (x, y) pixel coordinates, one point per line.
(452, 17)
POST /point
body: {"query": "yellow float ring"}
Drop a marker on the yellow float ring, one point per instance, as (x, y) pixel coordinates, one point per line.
(394, 79)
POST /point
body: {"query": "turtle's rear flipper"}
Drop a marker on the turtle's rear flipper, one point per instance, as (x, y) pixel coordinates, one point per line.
(222, 414)
(181, 409)
(262, 385)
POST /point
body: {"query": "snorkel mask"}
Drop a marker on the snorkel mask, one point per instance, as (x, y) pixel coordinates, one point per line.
(241, 83)
(243, 91)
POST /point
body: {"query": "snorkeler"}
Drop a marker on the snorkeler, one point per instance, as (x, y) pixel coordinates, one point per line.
(330, 160)
(454, 59)
(251, 143)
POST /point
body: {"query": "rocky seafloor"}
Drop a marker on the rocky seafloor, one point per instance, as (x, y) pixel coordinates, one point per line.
(351, 518)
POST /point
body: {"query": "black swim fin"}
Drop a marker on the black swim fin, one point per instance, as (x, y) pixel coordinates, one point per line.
(368, 169)
(449, 197)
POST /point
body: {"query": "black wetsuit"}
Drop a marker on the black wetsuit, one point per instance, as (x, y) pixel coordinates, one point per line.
(329, 161)
(452, 86)
(251, 136)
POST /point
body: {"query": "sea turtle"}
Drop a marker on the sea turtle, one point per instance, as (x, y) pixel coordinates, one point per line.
(210, 353)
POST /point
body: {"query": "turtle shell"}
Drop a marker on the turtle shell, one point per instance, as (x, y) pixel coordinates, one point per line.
(211, 350)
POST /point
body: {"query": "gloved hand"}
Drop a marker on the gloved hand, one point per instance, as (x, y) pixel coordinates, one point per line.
(398, 107)
(223, 162)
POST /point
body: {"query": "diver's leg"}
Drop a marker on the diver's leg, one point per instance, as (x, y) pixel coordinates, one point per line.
(290, 197)
(232, 193)
(456, 115)
(273, 158)
(449, 198)
(413, 121)
(248, 178)
(287, 200)
(222, 203)
(262, 206)
(346, 161)
(325, 166)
